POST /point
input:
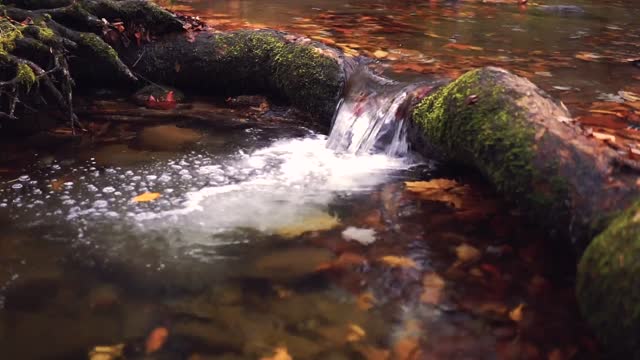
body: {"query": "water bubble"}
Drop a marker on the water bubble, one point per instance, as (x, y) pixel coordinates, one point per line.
(69, 202)
(184, 172)
(186, 177)
(100, 203)
(110, 170)
(151, 177)
(92, 188)
(16, 186)
(56, 167)
(68, 184)
(164, 178)
(128, 173)
(136, 178)
(24, 178)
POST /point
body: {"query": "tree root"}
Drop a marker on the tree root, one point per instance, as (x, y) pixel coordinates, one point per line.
(46, 45)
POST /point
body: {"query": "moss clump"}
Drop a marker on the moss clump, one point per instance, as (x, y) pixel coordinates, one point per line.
(25, 75)
(472, 121)
(264, 60)
(98, 47)
(608, 288)
(45, 34)
(478, 120)
(9, 33)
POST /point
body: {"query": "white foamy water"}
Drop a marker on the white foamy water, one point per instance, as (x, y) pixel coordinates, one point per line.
(277, 186)
(286, 183)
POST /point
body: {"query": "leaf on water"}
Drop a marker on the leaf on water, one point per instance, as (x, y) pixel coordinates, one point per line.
(399, 261)
(457, 46)
(156, 340)
(356, 333)
(433, 285)
(467, 253)
(380, 54)
(603, 136)
(318, 222)
(443, 190)
(586, 56)
(407, 348)
(516, 314)
(106, 352)
(629, 96)
(146, 197)
(366, 301)
(280, 353)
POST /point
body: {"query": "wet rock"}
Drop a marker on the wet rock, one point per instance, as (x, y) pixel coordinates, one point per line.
(562, 10)
(291, 263)
(120, 155)
(167, 137)
(104, 297)
(244, 101)
(141, 97)
(607, 286)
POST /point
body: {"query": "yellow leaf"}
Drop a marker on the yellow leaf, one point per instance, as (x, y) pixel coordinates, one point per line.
(467, 253)
(280, 353)
(444, 190)
(399, 261)
(146, 197)
(317, 222)
(356, 333)
(433, 285)
(516, 314)
(380, 54)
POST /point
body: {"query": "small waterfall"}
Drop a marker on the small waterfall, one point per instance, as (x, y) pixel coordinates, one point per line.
(373, 117)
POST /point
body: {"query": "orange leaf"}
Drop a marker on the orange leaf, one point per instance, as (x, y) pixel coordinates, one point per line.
(516, 314)
(356, 333)
(433, 285)
(280, 353)
(146, 197)
(457, 46)
(156, 339)
(399, 261)
(366, 301)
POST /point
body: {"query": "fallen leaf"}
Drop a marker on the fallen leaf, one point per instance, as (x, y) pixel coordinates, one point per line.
(433, 285)
(380, 54)
(106, 352)
(629, 96)
(356, 333)
(280, 353)
(443, 190)
(156, 340)
(407, 349)
(146, 197)
(399, 261)
(603, 136)
(317, 222)
(366, 301)
(457, 46)
(516, 314)
(467, 253)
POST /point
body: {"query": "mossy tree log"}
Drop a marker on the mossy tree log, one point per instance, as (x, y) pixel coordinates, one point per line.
(523, 142)
(49, 46)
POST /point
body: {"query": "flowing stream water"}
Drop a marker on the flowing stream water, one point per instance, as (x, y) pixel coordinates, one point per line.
(345, 246)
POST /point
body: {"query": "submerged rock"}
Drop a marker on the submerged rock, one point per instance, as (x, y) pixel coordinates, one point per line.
(167, 137)
(291, 263)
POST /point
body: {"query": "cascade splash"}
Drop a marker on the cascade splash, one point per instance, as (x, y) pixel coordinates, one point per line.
(373, 117)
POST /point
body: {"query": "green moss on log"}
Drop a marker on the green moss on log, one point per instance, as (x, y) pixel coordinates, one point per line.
(9, 33)
(477, 121)
(25, 76)
(247, 62)
(609, 285)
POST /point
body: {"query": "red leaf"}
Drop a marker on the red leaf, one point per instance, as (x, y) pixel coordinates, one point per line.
(169, 97)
